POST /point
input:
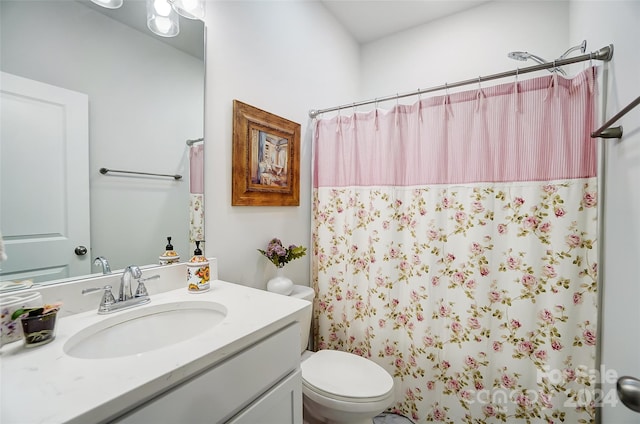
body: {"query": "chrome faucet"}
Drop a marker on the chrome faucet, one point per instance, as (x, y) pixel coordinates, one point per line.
(125, 282)
(125, 299)
(101, 260)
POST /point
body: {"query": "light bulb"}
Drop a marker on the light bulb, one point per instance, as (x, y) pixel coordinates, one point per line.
(163, 25)
(162, 7)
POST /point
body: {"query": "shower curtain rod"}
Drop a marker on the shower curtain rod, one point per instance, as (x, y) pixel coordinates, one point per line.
(606, 131)
(194, 141)
(605, 54)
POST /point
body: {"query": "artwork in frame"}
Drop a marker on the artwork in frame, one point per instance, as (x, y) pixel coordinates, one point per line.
(266, 158)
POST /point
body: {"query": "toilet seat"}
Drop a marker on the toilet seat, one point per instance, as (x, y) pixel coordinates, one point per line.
(346, 377)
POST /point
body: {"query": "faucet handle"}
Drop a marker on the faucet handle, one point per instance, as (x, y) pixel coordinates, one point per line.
(142, 289)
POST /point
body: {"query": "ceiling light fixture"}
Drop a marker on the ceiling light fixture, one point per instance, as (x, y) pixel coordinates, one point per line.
(162, 15)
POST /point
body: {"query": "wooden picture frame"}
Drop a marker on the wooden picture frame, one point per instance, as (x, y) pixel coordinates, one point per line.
(266, 158)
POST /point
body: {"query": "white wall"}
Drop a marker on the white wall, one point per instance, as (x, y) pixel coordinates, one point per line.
(286, 58)
(145, 100)
(618, 23)
(464, 46)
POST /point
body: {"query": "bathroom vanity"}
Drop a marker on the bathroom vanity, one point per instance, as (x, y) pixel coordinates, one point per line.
(244, 368)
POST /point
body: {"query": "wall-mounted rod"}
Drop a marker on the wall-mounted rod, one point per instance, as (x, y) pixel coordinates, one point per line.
(194, 141)
(103, 171)
(616, 132)
(604, 54)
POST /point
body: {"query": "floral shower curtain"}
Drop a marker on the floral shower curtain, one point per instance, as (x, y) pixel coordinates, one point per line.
(454, 244)
(196, 196)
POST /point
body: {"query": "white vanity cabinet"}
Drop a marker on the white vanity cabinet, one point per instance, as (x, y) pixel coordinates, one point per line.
(260, 384)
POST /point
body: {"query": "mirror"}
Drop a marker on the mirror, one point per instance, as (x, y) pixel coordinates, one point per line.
(145, 100)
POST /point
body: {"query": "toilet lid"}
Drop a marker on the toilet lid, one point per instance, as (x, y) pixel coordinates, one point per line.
(346, 375)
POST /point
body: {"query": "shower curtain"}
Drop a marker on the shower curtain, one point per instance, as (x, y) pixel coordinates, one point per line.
(454, 244)
(196, 196)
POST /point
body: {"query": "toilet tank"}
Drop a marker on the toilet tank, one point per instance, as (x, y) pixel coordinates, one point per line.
(304, 293)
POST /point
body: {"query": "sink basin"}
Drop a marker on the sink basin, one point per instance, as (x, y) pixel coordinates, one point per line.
(145, 329)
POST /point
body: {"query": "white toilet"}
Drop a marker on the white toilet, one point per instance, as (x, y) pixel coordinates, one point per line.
(340, 387)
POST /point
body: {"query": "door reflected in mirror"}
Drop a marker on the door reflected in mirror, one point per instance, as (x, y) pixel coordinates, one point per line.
(144, 98)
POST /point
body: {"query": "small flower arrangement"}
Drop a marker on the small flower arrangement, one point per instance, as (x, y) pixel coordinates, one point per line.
(279, 255)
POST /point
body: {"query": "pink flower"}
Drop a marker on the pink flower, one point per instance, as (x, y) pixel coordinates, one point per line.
(420, 316)
(393, 252)
(523, 400)
(439, 414)
(428, 341)
(549, 188)
(460, 217)
(445, 365)
(432, 235)
(477, 207)
(541, 354)
(430, 385)
(456, 327)
(494, 296)
(453, 384)
(497, 346)
(519, 201)
(471, 284)
(399, 363)
(444, 311)
(589, 337)
(515, 324)
(385, 225)
(389, 350)
(507, 381)
(546, 316)
(404, 265)
(513, 263)
(471, 362)
(446, 202)
(478, 385)
(573, 240)
(556, 345)
(450, 257)
(545, 227)
(530, 222)
(381, 323)
(484, 271)
(525, 347)
(476, 248)
(489, 410)
(569, 374)
(559, 212)
(549, 271)
(577, 298)
(458, 277)
(435, 281)
(473, 323)
(529, 281)
(589, 199)
(502, 229)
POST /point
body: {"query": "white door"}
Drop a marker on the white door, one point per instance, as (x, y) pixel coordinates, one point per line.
(44, 180)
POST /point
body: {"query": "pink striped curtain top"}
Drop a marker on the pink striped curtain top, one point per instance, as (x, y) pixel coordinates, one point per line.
(491, 134)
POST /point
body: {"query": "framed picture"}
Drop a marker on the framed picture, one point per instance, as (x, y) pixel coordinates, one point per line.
(266, 158)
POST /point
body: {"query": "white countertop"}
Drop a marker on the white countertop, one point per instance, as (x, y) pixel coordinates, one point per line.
(45, 385)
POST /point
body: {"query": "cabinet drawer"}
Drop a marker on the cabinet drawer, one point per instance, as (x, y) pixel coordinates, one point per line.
(224, 390)
(280, 405)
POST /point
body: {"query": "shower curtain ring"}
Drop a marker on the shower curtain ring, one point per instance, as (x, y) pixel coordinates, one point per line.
(479, 79)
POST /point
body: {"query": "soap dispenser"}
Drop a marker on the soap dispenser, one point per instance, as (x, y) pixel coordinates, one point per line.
(198, 272)
(169, 256)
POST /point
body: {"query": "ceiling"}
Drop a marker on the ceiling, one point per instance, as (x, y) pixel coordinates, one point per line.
(369, 20)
